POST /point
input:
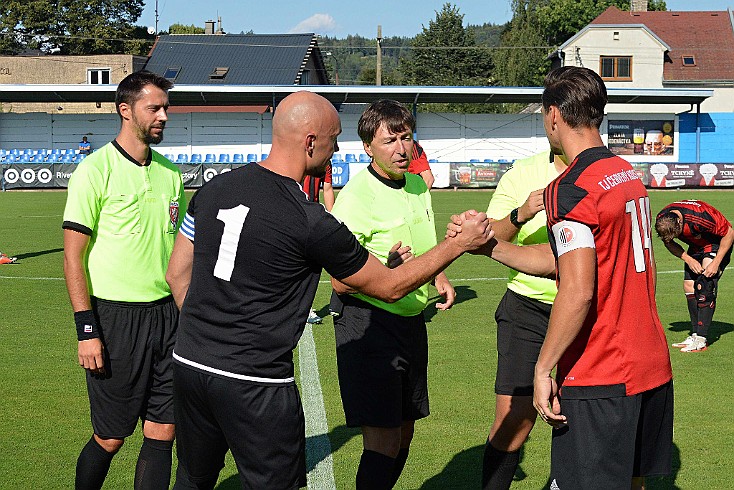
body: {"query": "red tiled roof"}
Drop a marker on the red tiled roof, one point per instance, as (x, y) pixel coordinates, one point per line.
(708, 36)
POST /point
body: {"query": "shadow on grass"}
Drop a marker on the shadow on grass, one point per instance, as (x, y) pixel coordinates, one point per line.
(39, 253)
(463, 293)
(716, 330)
(317, 449)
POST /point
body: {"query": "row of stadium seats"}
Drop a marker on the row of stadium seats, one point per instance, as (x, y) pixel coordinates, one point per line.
(41, 158)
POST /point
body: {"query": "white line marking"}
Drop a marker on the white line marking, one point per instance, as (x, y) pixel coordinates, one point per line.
(318, 446)
(33, 278)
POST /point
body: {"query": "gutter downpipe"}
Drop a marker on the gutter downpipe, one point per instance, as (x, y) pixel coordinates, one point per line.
(698, 132)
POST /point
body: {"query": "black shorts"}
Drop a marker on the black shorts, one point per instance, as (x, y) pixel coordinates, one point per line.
(689, 275)
(382, 359)
(522, 323)
(263, 426)
(610, 440)
(138, 341)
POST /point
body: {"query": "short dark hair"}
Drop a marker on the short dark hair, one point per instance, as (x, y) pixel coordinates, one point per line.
(395, 115)
(668, 226)
(130, 88)
(579, 94)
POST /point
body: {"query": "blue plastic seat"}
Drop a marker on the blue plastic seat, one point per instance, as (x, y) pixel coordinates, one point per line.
(210, 158)
(263, 156)
(37, 158)
(364, 158)
(169, 156)
(182, 158)
(53, 158)
(238, 158)
(503, 160)
(79, 157)
(224, 158)
(251, 157)
(350, 158)
(195, 158)
(433, 160)
(67, 158)
(15, 152)
(336, 158)
(24, 158)
(488, 160)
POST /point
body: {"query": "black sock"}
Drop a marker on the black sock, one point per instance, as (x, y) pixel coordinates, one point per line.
(399, 464)
(153, 470)
(375, 471)
(92, 466)
(692, 310)
(498, 468)
(705, 317)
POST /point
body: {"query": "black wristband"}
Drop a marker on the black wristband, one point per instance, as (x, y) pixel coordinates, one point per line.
(86, 325)
(513, 218)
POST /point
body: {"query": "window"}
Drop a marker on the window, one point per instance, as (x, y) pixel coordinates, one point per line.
(306, 77)
(616, 68)
(171, 73)
(98, 76)
(219, 73)
(689, 60)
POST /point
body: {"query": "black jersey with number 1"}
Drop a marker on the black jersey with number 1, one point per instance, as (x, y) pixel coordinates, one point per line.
(259, 246)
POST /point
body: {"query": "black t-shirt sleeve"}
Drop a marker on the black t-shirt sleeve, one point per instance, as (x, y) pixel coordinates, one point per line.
(333, 247)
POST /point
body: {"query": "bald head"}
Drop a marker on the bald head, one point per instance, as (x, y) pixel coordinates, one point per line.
(305, 128)
(301, 113)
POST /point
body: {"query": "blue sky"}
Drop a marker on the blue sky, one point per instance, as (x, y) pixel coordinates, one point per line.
(342, 17)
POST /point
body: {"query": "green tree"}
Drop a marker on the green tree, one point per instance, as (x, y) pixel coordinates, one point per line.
(445, 53)
(73, 26)
(184, 29)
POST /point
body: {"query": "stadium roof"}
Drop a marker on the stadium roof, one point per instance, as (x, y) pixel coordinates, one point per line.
(202, 95)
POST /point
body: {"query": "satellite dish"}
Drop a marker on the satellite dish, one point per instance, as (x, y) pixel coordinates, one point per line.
(151, 30)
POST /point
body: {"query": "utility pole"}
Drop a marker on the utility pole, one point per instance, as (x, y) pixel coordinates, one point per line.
(378, 75)
(156, 17)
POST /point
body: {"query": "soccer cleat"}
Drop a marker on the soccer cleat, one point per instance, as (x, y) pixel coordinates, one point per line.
(313, 318)
(4, 259)
(689, 340)
(698, 345)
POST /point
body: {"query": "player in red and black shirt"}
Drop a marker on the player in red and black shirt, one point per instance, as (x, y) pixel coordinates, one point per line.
(709, 236)
(604, 336)
(419, 165)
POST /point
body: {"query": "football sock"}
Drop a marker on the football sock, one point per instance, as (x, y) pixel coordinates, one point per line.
(153, 470)
(705, 317)
(692, 310)
(498, 468)
(400, 460)
(92, 466)
(375, 471)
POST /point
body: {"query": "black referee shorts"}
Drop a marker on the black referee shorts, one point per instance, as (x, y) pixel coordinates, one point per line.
(138, 341)
(263, 426)
(522, 323)
(382, 360)
(609, 440)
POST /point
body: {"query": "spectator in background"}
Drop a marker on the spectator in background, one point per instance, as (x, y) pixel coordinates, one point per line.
(85, 147)
(311, 186)
(419, 165)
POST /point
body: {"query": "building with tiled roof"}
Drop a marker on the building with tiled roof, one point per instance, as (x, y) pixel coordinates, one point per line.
(659, 49)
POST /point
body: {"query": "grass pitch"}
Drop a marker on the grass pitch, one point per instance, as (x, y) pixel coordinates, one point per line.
(45, 414)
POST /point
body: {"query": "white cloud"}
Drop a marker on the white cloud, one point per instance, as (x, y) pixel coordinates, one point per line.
(318, 23)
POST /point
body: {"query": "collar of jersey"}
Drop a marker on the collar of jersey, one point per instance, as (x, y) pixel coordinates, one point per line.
(127, 155)
(395, 184)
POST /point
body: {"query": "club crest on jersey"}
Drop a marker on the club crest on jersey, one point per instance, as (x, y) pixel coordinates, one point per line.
(566, 235)
(173, 213)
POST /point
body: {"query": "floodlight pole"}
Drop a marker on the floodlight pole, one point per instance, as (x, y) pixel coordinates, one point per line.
(378, 74)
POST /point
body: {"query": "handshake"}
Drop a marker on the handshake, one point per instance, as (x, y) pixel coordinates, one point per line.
(472, 231)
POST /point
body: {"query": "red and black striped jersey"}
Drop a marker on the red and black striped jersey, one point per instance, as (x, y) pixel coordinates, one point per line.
(703, 225)
(621, 341)
(419, 160)
(311, 185)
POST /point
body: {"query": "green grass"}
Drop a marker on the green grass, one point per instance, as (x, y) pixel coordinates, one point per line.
(45, 414)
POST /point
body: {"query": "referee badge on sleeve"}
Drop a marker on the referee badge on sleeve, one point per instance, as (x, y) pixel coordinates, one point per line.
(173, 214)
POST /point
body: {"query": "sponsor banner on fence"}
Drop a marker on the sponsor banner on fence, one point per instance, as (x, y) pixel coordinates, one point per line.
(651, 137)
(28, 175)
(476, 175)
(191, 174)
(62, 173)
(677, 175)
(339, 174)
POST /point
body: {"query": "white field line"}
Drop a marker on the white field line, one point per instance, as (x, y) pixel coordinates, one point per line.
(318, 448)
(453, 279)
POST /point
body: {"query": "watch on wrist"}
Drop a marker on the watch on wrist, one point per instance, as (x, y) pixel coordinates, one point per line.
(514, 220)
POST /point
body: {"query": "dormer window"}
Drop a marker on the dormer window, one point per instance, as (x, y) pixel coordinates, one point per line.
(219, 73)
(689, 60)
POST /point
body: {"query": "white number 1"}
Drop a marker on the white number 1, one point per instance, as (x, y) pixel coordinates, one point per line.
(638, 245)
(234, 220)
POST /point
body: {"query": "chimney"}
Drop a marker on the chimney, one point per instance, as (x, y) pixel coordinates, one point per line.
(209, 27)
(638, 6)
(219, 25)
